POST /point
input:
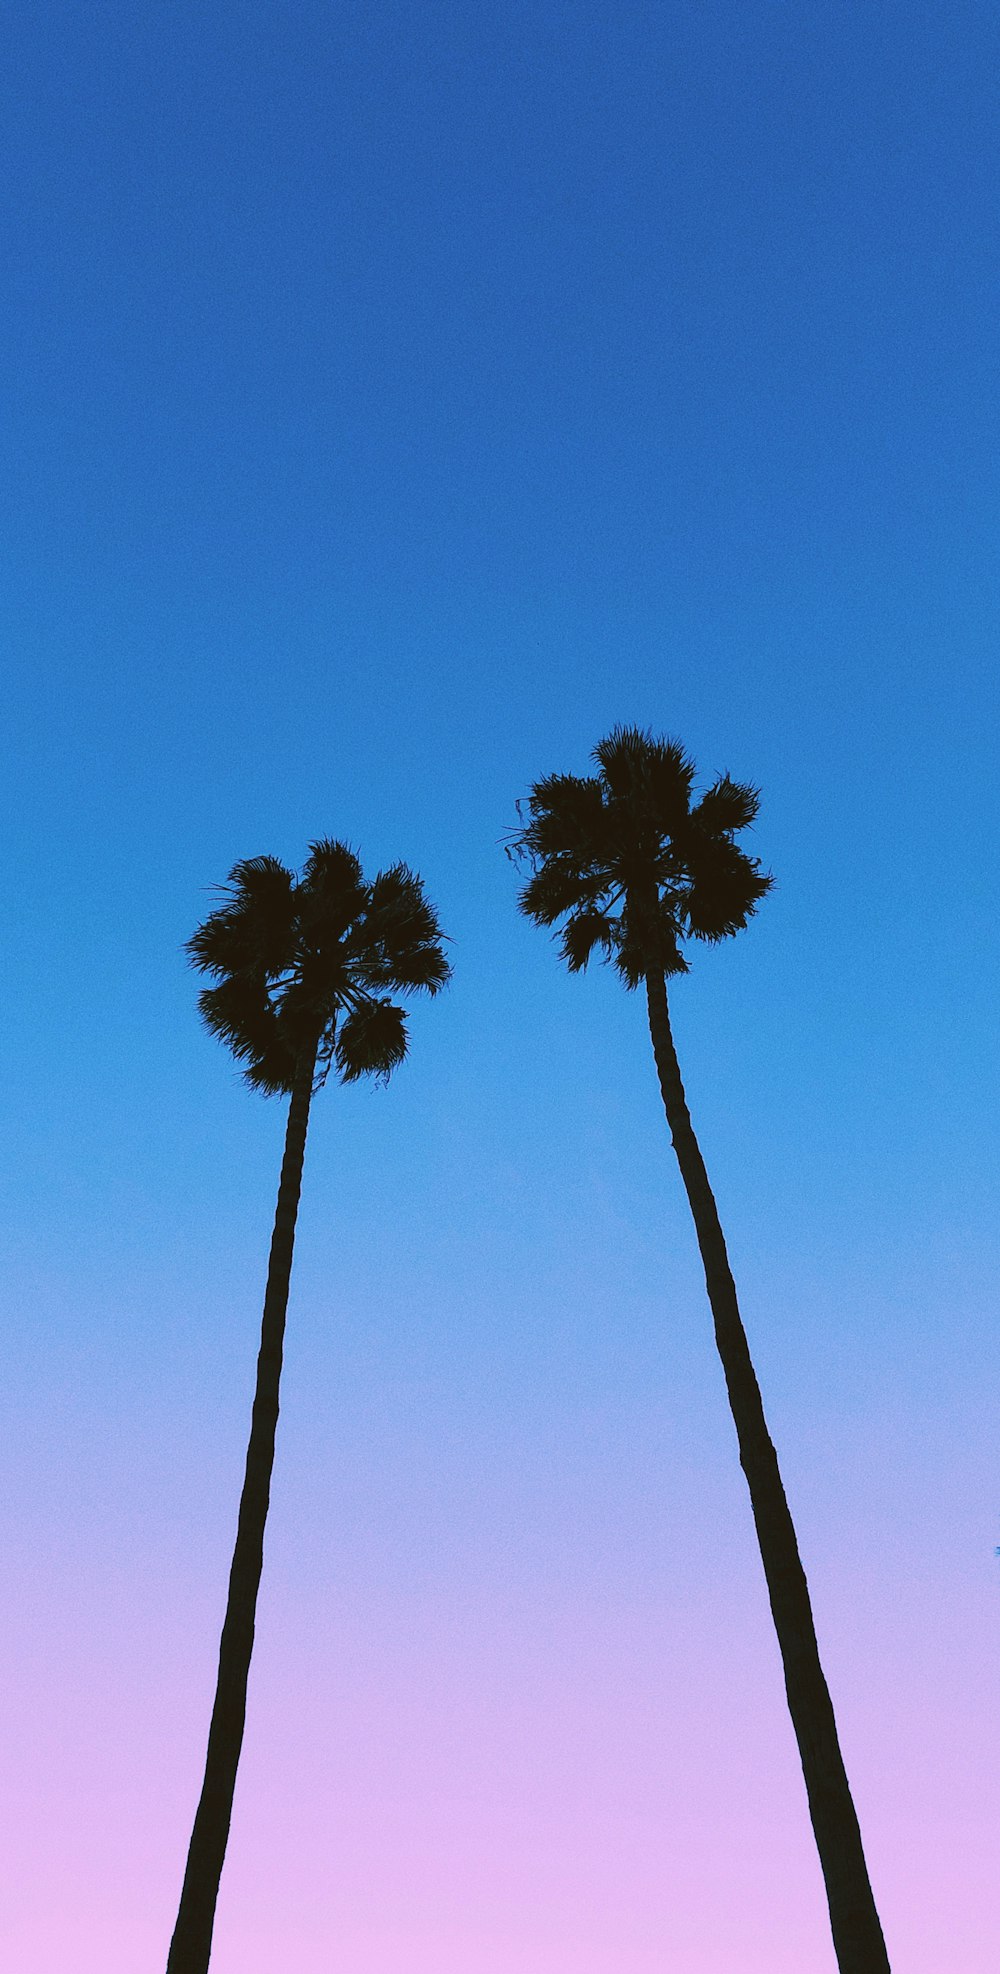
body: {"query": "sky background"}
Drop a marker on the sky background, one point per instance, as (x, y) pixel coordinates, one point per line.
(397, 396)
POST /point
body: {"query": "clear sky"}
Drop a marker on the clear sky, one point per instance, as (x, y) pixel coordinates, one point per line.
(397, 395)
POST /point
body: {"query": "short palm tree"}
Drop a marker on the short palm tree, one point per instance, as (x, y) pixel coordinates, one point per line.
(303, 972)
(629, 866)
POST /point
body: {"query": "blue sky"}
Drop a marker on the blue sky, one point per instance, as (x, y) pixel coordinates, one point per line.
(396, 398)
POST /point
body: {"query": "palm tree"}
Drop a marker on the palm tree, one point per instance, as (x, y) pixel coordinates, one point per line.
(303, 969)
(629, 866)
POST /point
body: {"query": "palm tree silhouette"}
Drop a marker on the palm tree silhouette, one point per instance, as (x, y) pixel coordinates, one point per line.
(303, 970)
(630, 867)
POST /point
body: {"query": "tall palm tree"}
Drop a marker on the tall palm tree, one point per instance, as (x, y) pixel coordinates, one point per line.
(630, 866)
(303, 970)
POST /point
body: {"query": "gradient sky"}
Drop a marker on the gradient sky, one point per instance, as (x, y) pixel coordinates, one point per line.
(396, 397)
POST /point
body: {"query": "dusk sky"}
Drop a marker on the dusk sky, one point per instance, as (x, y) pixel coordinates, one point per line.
(397, 396)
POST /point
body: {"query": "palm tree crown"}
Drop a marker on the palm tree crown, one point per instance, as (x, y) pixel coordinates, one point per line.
(631, 864)
(310, 962)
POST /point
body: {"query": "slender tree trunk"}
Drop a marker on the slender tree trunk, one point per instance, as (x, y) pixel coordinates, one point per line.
(857, 1933)
(191, 1945)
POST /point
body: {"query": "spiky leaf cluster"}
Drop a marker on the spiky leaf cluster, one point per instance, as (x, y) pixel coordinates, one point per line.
(312, 962)
(628, 864)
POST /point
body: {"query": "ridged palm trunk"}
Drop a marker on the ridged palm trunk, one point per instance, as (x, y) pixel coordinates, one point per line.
(191, 1945)
(857, 1933)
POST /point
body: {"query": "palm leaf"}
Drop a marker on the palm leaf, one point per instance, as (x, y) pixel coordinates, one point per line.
(240, 1013)
(583, 931)
(371, 1041)
(726, 807)
(726, 886)
(255, 927)
(566, 817)
(563, 884)
(401, 937)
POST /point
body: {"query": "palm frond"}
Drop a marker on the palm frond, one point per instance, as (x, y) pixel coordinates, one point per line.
(332, 867)
(566, 816)
(670, 778)
(582, 932)
(400, 939)
(235, 1010)
(272, 1072)
(648, 784)
(563, 884)
(239, 1012)
(726, 807)
(724, 889)
(723, 902)
(332, 895)
(259, 878)
(255, 927)
(371, 1041)
(649, 936)
(620, 755)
